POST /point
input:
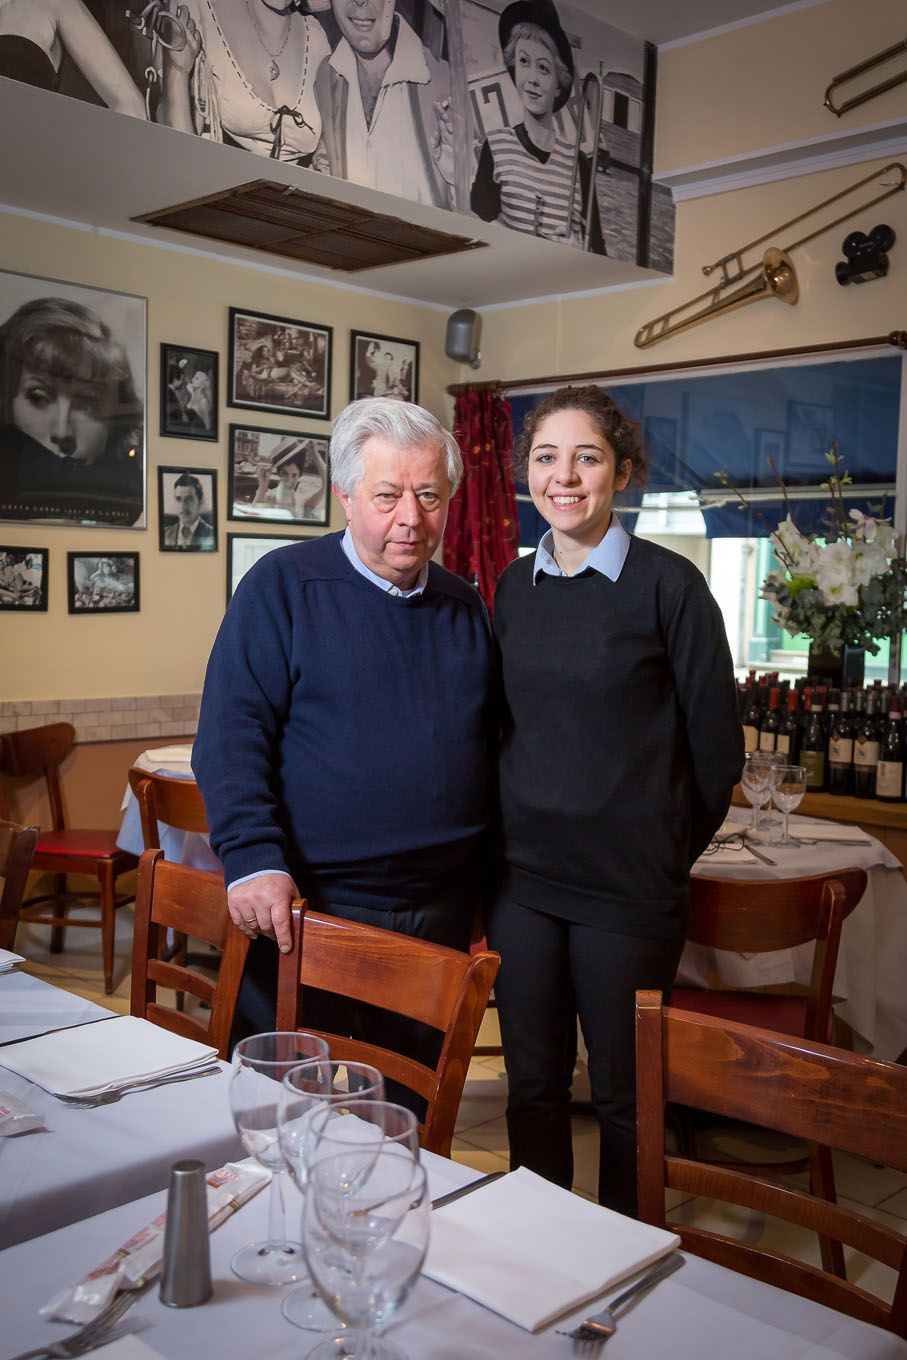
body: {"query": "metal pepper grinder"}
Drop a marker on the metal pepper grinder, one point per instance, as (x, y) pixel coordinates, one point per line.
(186, 1268)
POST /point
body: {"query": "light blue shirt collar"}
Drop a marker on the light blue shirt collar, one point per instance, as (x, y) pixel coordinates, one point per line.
(608, 557)
(349, 548)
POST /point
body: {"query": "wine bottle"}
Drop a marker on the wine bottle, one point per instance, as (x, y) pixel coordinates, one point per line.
(840, 747)
(752, 719)
(768, 731)
(866, 750)
(890, 769)
(812, 749)
(788, 744)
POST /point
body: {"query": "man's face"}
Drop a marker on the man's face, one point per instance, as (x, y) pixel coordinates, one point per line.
(366, 24)
(187, 503)
(398, 511)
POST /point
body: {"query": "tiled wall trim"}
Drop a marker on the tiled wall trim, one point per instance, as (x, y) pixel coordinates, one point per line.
(150, 715)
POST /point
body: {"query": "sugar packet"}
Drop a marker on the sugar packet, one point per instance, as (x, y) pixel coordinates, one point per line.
(16, 1117)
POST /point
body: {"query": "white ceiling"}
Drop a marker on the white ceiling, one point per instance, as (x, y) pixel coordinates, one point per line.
(102, 170)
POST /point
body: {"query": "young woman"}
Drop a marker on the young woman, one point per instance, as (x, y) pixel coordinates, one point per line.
(524, 172)
(621, 746)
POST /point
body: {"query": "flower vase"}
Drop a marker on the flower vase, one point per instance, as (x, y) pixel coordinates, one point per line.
(837, 669)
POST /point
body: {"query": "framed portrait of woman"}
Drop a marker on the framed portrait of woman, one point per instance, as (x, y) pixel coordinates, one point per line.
(188, 392)
(72, 404)
(279, 365)
(278, 476)
(107, 584)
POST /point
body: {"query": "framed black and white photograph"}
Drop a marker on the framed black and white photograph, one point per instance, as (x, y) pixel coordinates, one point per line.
(72, 404)
(106, 584)
(279, 365)
(383, 366)
(187, 504)
(188, 392)
(244, 550)
(277, 476)
(23, 579)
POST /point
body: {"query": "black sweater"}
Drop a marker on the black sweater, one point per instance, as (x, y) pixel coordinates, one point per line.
(622, 741)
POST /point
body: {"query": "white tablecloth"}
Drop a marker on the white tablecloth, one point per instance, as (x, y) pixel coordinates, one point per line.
(29, 1007)
(703, 1312)
(872, 962)
(183, 847)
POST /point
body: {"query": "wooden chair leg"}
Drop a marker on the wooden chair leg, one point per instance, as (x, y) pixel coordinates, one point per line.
(108, 921)
(60, 908)
(822, 1184)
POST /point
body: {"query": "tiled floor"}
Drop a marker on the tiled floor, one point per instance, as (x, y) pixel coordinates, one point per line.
(481, 1138)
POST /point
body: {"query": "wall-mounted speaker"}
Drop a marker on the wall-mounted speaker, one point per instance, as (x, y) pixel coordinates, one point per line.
(464, 337)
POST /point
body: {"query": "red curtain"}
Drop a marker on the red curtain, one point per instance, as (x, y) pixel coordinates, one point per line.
(482, 532)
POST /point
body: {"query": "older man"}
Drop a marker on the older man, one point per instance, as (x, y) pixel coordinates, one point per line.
(347, 723)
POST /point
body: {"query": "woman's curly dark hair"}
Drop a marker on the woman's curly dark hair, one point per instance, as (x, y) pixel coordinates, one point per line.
(613, 424)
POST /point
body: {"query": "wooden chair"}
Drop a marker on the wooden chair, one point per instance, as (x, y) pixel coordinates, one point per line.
(60, 851)
(802, 1088)
(173, 897)
(427, 982)
(17, 847)
(757, 917)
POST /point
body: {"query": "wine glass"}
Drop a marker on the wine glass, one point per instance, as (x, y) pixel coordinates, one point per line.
(365, 1245)
(754, 781)
(260, 1063)
(358, 1132)
(309, 1089)
(787, 791)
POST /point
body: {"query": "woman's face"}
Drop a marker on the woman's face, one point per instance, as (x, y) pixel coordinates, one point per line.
(573, 476)
(535, 76)
(67, 417)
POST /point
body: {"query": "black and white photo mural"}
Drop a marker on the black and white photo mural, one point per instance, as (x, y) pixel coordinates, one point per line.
(534, 113)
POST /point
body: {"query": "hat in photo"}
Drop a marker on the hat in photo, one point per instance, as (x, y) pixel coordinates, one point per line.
(543, 14)
(289, 451)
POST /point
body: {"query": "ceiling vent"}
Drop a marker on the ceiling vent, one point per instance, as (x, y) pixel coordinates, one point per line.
(285, 221)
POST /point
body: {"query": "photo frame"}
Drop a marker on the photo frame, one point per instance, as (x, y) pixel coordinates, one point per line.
(23, 579)
(187, 509)
(278, 476)
(103, 583)
(72, 448)
(189, 392)
(383, 366)
(244, 550)
(810, 430)
(770, 444)
(279, 364)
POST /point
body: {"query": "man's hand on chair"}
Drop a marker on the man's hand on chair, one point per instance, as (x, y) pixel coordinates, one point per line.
(262, 906)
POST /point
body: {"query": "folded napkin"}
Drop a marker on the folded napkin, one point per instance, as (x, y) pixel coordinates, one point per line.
(9, 961)
(88, 1060)
(530, 1251)
(829, 831)
(727, 854)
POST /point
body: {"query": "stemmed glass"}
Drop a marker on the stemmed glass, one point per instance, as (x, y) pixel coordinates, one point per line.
(365, 1245)
(259, 1065)
(787, 791)
(309, 1090)
(756, 781)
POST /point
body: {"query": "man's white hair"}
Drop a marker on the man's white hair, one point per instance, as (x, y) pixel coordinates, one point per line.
(402, 423)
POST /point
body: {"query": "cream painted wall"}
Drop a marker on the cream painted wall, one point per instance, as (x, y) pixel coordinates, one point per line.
(163, 649)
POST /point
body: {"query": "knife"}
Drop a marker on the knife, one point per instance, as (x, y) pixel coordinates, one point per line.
(465, 1189)
(759, 855)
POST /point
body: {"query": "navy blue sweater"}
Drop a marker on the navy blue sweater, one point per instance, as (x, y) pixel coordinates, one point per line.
(346, 735)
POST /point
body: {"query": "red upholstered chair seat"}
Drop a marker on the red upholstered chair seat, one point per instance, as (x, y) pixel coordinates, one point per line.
(784, 1014)
(91, 844)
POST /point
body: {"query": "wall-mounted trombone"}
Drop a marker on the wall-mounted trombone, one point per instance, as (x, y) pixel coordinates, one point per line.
(772, 276)
(870, 63)
(591, 98)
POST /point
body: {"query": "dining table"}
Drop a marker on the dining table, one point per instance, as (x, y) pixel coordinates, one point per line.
(869, 991)
(87, 1160)
(701, 1312)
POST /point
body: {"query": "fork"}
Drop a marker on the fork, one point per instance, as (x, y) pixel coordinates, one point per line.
(141, 1084)
(595, 1330)
(91, 1335)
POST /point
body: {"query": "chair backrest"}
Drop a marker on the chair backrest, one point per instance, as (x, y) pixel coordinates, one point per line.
(194, 902)
(17, 847)
(162, 798)
(755, 917)
(39, 750)
(799, 1087)
(427, 982)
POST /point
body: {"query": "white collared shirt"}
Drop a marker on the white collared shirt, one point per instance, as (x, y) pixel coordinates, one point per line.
(607, 557)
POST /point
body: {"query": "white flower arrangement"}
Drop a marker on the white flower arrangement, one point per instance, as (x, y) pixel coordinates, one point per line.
(848, 590)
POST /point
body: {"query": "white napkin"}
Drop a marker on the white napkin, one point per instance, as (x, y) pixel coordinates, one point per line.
(9, 961)
(829, 831)
(90, 1059)
(727, 854)
(529, 1250)
(127, 1348)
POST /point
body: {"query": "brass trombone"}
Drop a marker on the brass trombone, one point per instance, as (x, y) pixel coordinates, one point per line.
(591, 93)
(772, 276)
(852, 72)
